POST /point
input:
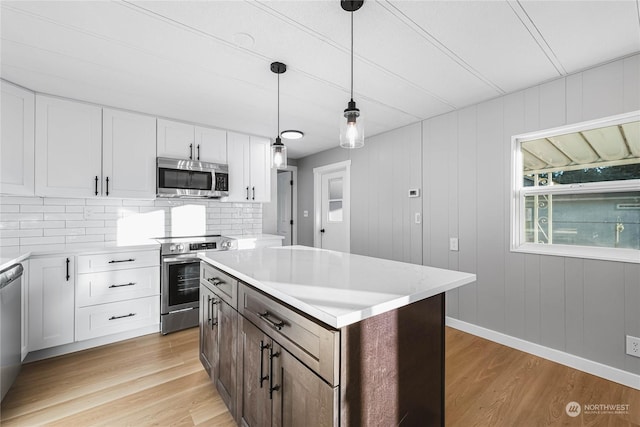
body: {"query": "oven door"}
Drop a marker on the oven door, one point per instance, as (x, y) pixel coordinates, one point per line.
(180, 283)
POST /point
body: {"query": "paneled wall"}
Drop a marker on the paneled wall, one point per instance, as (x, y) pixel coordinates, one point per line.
(580, 306)
(50, 224)
(382, 215)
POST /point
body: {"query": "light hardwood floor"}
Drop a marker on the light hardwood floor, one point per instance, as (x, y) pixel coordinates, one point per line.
(158, 380)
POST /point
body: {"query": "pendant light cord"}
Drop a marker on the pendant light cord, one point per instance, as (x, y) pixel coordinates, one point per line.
(278, 105)
(352, 56)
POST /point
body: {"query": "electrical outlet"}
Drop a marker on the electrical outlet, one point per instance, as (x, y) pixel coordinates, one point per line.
(453, 244)
(633, 346)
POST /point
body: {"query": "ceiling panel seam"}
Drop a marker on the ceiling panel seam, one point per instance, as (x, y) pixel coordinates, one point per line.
(519, 10)
(347, 50)
(172, 21)
(430, 38)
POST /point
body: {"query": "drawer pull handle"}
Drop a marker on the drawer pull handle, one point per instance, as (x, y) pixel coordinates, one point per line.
(124, 284)
(122, 317)
(113, 261)
(277, 325)
(272, 387)
(263, 377)
(215, 281)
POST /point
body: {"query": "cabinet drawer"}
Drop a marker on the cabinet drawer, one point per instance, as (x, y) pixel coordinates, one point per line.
(105, 319)
(315, 345)
(111, 286)
(117, 261)
(221, 284)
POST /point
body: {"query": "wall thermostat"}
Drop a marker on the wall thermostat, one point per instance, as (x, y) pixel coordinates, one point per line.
(414, 192)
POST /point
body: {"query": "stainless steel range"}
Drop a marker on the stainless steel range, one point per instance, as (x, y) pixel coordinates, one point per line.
(180, 279)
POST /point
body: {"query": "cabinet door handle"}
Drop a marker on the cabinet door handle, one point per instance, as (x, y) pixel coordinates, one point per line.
(122, 317)
(113, 261)
(263, 377)
(198, 147)
(272, 387)
(124, 284)
(96, 179)
(208, 309)
(247, 193)
(254, 193)
(275, 325)
(190, 151)
(107, 185)
(68, 276)
(214, 321)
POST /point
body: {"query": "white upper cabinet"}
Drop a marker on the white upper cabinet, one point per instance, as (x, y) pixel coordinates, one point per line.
(211, 145)
(128, 155)
(260, 158)
(184, 141)
(249, 168)
(16, 140)
(68, 147)
(175, 140)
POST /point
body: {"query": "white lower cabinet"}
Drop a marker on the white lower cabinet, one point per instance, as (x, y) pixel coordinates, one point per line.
(106, 319)
(51, 302)
(117, 292)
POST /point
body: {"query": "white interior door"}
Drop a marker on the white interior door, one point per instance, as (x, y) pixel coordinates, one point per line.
(285, 201)
(334, 210)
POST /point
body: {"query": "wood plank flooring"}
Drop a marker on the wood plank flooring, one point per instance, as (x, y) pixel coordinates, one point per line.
(158, 380)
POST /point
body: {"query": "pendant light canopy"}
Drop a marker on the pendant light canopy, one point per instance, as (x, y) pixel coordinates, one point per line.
(278, 149)
(351, 126)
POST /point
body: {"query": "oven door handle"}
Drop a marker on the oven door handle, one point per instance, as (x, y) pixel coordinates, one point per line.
(187, 259)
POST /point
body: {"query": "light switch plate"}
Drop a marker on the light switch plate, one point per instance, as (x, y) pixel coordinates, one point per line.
(453, 244)
(305, 214)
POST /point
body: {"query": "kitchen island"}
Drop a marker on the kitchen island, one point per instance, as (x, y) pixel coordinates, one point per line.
(303, 336)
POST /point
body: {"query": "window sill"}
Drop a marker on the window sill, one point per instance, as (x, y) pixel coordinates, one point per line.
(586, 252)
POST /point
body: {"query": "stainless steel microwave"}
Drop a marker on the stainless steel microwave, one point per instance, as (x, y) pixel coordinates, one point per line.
(189, 178)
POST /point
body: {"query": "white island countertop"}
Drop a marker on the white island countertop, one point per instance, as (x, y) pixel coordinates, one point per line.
(336, 288)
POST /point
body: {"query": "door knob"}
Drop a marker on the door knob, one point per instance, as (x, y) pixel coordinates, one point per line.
(322, 230)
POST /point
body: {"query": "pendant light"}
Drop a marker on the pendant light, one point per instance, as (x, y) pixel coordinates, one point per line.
(278, 149)
(351, 127)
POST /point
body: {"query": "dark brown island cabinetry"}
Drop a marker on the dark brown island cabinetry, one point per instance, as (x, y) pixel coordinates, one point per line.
(276, 366)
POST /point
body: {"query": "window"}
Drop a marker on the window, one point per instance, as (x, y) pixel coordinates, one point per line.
(576, 190)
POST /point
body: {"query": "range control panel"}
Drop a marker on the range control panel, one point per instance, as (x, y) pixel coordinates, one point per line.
(204, 246)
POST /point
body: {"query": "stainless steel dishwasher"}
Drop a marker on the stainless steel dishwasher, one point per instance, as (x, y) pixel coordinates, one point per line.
(10, 325)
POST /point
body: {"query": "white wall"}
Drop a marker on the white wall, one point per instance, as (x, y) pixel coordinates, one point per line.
(42, 224)
(579, 306)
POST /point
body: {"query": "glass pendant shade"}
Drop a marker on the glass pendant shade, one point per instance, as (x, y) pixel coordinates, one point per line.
(351, 128)
(279, 155)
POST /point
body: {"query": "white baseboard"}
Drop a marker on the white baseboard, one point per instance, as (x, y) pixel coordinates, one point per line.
(589, 366)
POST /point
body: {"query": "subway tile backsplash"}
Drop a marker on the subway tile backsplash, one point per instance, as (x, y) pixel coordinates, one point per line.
(49, 224)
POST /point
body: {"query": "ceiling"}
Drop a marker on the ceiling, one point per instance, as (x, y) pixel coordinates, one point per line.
(208, 62)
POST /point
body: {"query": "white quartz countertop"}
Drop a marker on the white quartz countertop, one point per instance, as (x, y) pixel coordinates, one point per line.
(10, 257)
(336, 288)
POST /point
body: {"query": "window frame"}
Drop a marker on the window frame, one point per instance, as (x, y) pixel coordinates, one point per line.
(518, 192)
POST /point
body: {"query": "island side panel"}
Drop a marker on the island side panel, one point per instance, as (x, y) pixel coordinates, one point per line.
(392, 367)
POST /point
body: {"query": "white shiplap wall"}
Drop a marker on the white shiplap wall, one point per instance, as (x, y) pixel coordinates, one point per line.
(579, 306)
(49, 224)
